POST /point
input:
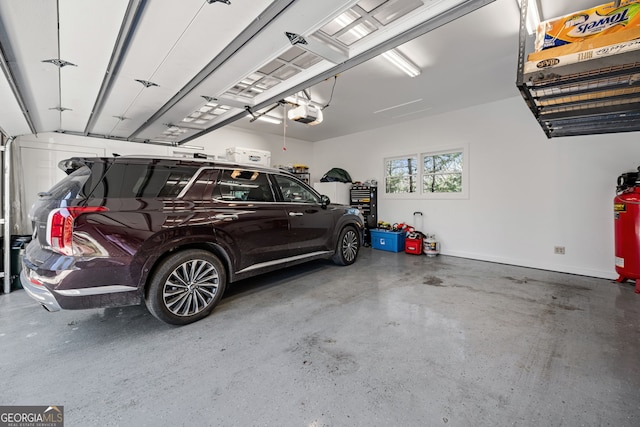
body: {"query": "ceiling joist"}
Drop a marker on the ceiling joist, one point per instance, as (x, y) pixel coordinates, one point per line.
(126, 69)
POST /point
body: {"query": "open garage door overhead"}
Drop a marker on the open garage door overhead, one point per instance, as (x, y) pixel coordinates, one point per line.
(163, 71)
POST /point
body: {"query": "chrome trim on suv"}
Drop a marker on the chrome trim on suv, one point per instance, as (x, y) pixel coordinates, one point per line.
(195, 176)
(39, 293)
(102, 290)
(283, 261)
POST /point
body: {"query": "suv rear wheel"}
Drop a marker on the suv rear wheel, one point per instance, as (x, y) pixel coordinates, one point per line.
(186, 287)
(347, 247)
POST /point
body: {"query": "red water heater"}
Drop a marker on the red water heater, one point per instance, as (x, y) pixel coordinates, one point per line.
(626, 208)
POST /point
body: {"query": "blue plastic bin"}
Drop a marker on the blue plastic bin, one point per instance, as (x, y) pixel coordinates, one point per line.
(392, 241)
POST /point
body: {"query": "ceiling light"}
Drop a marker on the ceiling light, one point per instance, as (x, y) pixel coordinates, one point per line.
(265, 118)
(397, 59)
(218, 1)
(398, 106)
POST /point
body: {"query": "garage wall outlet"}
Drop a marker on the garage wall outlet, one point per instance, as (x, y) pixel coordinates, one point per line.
(559, 250)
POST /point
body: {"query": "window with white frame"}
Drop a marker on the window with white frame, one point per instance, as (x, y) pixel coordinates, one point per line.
(401, 175)
(442, 172)
(437, 174)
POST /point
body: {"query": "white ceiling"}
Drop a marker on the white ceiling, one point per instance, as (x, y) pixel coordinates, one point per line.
(194, 48)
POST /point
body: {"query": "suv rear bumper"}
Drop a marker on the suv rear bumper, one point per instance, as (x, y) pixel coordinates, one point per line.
(39, 293)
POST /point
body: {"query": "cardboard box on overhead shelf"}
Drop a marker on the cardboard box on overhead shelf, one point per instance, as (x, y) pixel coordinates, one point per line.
(603, 47)
(587, 45)
(590, 25)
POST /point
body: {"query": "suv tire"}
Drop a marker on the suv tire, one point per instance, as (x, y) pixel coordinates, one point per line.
(186, 287)
(347, 247)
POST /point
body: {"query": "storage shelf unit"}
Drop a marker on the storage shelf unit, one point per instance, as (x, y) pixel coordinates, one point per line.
(303, 176)
(365, 198)
(595, 91)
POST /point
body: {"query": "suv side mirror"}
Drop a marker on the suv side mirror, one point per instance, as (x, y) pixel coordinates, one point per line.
(324, 200)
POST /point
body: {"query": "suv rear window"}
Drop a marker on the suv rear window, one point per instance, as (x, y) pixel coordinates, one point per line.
(71, 186)
(124, 180)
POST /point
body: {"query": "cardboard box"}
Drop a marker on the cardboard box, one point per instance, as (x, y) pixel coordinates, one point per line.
(392, 241)
(589, 24)
(249, 156)
(603, 45)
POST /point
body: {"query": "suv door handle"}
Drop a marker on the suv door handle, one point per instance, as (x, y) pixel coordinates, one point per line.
(295, 214)
(226, 217)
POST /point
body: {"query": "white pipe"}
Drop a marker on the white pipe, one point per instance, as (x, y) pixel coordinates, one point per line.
(6, 210)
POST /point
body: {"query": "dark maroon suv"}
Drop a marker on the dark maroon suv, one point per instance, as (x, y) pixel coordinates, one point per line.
(173, 232)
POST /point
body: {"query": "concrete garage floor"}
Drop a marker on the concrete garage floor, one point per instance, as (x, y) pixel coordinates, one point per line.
(395, 340)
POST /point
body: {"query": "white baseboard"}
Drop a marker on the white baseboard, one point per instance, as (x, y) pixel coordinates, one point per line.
(604, 274)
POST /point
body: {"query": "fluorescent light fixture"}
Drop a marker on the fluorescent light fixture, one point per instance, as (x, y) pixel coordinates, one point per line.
(265, 118)
(397, 59)
(398, 106)
(193, 147)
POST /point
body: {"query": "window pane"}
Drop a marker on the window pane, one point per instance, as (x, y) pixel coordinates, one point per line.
(242, 185)
(401, 184)
(294, 192)
(450, 162)
(148, 181)
(427, 184)
(448, 183)
(429, 165)
(442, 173)
(401, 175)
(443, 183)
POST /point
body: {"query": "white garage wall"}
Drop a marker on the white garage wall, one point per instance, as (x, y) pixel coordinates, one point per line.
(527, 193)
(38, 157)
(297, 151)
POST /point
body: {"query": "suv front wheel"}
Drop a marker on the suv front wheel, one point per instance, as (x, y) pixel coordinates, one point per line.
(347, 247)
(186, 286)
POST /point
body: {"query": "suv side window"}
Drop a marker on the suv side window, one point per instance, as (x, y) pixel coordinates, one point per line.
(130, 180)
(236, 185)
(294, 192)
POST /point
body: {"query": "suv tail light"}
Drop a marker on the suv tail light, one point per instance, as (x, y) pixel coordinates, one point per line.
(60, 226)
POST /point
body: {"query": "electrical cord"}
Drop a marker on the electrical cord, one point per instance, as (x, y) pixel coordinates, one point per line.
(335, 80)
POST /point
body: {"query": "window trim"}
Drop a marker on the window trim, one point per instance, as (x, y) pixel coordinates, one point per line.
(420, 194)
(401, 157)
